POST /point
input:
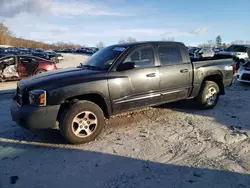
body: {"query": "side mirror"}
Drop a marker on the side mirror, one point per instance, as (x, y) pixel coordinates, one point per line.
(126, 66)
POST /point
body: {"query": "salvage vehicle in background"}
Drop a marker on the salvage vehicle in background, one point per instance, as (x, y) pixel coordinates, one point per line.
(243, 74)
(19, 67)
(204, 54)
(236, 51)
(192, 50)
(116, 79)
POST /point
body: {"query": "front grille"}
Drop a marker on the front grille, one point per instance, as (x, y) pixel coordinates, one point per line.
(246, 77)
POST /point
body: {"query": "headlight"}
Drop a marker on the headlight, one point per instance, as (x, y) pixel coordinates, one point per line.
(37, 97)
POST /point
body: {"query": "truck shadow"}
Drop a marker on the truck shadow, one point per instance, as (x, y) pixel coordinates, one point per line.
(232, 109)
(40, 166)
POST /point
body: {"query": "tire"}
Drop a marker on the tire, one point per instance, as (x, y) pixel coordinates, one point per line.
(209, 95)
(40, 71)
(82, 122)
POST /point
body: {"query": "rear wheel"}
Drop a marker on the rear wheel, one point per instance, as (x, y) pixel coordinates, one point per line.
(82, 122)
(209, 95)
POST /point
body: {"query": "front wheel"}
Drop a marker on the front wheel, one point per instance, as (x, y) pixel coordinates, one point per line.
(82, 122)
(209, 95)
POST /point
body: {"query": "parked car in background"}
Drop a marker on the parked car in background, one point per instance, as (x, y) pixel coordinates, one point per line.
(216, 50)
(203, 54)
(243, 74)
(40, 54)
(116, 79)
(236, 51)
(18, 67)
(192, 50)
(56, 57)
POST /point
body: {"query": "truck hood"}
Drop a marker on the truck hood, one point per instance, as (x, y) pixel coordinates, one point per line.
(60, 78)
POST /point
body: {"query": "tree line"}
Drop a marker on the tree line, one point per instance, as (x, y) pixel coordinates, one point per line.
(7, 38)
(219, 44)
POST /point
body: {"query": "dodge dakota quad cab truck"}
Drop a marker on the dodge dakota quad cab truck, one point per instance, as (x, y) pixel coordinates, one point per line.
(117, 78)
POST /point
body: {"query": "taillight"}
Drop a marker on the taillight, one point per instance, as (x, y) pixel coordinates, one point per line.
(234, 69)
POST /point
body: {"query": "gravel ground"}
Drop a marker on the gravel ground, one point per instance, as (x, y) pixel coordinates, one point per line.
(174, 145)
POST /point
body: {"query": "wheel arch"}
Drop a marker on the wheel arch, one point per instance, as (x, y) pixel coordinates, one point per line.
(96, 98)
(218, 79)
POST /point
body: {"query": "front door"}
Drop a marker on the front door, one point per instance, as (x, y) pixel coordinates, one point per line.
(136, 87)
(175, 73)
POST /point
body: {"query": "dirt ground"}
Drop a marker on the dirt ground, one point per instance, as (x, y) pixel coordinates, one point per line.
(173, 145)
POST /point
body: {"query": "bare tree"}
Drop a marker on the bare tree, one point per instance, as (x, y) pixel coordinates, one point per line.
(100, 45)
(131, 40)
(168, 39)
(121, 41)
(7, 38)
(208, 44)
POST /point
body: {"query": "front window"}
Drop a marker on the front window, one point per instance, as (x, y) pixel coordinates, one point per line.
(142, 57)
(104, 58)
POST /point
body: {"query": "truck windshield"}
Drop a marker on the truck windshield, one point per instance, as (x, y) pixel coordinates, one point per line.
(104, 58)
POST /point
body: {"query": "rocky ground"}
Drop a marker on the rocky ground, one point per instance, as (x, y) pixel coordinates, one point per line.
(174, 145)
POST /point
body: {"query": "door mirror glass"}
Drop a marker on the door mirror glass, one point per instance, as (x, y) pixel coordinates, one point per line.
(126, 66)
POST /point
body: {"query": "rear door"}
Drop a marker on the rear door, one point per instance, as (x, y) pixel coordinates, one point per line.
(139, 86)
(175, 72)
(27, 65)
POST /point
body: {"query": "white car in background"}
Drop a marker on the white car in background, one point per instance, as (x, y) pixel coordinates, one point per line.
(243, 74)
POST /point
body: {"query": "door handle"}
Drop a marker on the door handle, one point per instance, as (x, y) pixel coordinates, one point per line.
(151, 75)
(184, 70)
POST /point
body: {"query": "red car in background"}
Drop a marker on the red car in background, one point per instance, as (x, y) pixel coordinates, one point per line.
(17, 67)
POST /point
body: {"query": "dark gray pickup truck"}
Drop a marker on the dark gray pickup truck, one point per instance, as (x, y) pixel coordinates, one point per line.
(117, 78)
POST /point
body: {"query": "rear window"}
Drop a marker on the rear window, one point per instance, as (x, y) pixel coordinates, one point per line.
(169, 55)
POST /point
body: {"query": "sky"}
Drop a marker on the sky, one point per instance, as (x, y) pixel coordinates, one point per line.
(87, 22)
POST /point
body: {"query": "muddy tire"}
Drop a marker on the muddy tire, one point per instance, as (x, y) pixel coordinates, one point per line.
(40, 71)
(209, 95)
(82, 122)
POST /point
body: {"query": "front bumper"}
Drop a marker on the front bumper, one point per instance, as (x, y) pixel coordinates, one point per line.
(34, 117)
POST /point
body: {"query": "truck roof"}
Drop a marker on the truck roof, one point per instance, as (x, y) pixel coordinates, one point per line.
(148, 42)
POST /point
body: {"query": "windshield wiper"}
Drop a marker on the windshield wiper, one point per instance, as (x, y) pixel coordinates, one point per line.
(91, 67)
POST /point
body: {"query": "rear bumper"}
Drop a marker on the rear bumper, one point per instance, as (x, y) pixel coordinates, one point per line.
(33, 117)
